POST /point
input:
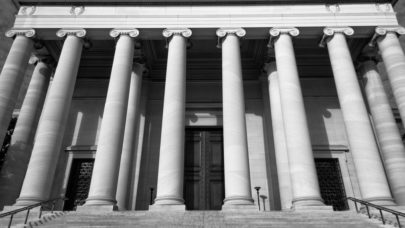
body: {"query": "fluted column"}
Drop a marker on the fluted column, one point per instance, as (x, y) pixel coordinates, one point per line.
(104, 180)
(45, 154)
(370, 172)
(12, 75)
(394, 61)
(280, 146)
(236, 157)
(15, 166)
(392, 147)
(304, 180)
(129, 149)
(171, 158)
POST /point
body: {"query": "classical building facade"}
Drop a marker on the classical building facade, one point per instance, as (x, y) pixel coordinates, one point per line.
(191, 105)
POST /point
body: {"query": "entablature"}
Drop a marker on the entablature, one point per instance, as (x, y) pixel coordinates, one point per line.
(204, 20)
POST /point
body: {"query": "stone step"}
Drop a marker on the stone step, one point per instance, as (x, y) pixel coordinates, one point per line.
(213, 219)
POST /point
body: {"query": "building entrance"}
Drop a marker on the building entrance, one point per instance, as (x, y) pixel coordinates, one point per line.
(79, 183)
(331, 183)
(204, 169)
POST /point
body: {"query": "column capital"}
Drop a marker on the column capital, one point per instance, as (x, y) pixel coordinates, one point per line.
(129, 32)
(169, 32)
(277, 31)
(11, 33)
(222, 32)
(330, 32)
(36, 58)
(81, 33)
(383, 30)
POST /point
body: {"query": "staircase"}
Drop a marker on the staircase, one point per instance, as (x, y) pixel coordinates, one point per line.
(211, 219)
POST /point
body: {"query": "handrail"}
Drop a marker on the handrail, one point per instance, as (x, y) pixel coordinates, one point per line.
(28, 208)
(380, 208)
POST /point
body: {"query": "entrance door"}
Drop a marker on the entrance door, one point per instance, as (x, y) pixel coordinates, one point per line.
(331, 183)
(204, 169)
(79, 183)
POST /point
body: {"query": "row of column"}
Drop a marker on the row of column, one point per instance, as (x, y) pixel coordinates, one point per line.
(103, 190)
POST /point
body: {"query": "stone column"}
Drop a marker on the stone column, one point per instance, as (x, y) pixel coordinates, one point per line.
(304, 180)
(392, 147)
(12, 75)
(236, 157)
(129, 149)
(280, 146)
(171, 159)
(370, 172)
(45, 154)
(394, 61)
(104, 180)
(18, 156)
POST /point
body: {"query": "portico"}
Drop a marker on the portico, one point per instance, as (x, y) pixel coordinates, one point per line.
(210, 76)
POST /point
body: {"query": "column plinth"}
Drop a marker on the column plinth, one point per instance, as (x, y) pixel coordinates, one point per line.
(12, 74)
(45, 154)
(236, 157)
(104, 180)
(304, 180)
(392, 147)
(171, 158)
(15, 165)
(370, 172)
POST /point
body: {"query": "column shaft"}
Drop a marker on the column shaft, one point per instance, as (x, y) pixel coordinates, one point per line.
(15, 166)
(236, 158)
(11, 79)
(304, 179)
(104, 180)
(51, 128)
(171, 159)
(370, 172)
(392, 147)
(129, 149)
(280, 146)
(394, 61)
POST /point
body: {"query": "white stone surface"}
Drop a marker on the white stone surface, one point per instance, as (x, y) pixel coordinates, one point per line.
(392, 147)
(280, 146)
(129, 145)
(171, 157)
(19, 153)
(236, 159)
(303, 175)
(104, 180)
(370, 172)
(51, 127)
(11, 78)
(394, 61)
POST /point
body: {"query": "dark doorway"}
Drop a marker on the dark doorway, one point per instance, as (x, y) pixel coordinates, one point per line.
(204, 169)
(79, 183)
(331, 183)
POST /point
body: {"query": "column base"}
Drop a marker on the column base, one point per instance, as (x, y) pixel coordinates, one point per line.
(307, 201)
(381, 201)
(169, 200)
(27, 201)
(168, 207)
(239, 203)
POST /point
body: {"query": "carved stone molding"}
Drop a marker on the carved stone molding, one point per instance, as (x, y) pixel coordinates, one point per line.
(77, 10)
(222, 32)
(330, 31)
(30, 33)
(275, 32)
(386, 7)
(75, 32)
(333, 8)
(382, 31)
(28, 10)
(118, 32)
(185, 32)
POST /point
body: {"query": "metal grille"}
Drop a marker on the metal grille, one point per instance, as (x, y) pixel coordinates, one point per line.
(79, 183)
(331, 183)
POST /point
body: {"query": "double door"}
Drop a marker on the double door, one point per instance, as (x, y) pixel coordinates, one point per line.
(204, 169)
